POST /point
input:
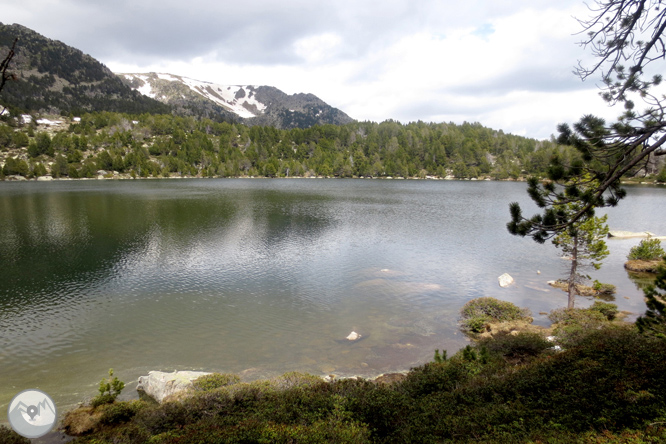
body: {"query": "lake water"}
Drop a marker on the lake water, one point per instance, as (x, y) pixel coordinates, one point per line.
(259, 277)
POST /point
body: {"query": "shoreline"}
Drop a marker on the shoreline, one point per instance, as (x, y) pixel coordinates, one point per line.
(118, 176)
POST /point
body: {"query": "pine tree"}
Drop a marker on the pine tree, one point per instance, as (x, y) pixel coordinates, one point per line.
(608, 151)
(583, 243)
(654, 320)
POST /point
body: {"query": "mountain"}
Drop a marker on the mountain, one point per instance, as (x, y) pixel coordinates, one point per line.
(252, 105)
(56, 78)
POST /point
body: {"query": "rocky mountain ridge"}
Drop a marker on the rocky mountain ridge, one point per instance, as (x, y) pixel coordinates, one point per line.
(249, 104)
(52, 77)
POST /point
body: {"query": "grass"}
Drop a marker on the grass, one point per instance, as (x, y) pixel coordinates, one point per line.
(608, 386)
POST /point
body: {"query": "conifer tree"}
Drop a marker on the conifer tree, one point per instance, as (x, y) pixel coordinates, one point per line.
(582, 243)
(619, 32)
(654, 319)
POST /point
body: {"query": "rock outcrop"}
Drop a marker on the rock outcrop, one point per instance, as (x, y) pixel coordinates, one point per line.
(163, 385)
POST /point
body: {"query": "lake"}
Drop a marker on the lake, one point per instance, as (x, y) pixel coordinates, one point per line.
(260, 277)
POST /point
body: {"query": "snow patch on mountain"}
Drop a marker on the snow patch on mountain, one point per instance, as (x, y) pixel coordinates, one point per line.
(238, 99)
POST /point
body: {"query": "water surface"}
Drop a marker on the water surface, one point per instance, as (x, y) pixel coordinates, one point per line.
(260, 277)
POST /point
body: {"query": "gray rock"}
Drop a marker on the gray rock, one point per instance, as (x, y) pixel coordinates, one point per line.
(162, 385)
(505, 280)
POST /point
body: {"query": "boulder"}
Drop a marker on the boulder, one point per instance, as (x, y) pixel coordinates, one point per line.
(505, 280)
(353, 336)
(160, 385)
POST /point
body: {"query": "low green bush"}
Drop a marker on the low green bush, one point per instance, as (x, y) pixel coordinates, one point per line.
(478, 313)
(120, 412)
(8, 436)
(516, 347)
(574, 323)
(214, 381)
(647, 250)
(604, 289)
(606, 309)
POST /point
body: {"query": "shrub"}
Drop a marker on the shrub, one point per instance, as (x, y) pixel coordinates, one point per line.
(647, 250)
(8, 436)
(604, 289)
(109, 389)
(520, 346)
(606, 309)
(214, 381)
(120, 412)
(478, 313)
(574, 323)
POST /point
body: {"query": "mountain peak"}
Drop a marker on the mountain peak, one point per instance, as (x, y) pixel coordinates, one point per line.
(251, 104)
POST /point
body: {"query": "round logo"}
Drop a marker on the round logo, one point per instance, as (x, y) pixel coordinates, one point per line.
(32, 413)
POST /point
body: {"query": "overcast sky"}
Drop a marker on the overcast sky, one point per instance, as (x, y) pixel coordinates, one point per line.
(504, 63)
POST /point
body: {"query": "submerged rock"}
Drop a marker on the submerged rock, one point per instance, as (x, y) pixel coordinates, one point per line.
(160, 385)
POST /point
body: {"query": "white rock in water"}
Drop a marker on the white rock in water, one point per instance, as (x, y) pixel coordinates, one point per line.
(505, 280)
(353, 336)
(159, 385)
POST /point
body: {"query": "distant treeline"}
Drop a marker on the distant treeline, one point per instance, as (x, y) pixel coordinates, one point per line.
(165, 145)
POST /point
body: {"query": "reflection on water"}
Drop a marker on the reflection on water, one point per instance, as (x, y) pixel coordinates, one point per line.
(260, 277)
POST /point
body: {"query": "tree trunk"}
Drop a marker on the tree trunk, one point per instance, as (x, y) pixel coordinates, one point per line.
(573, 274)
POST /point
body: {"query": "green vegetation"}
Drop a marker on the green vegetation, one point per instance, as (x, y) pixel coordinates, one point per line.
(148, 145)
(8, 436)
(583, 243)
(604, 289)
(653, 322)
(573, 325)
(478, 313)
(214, 381)
(109, 389)
(608, 386)
(647, 250)
(608, 151)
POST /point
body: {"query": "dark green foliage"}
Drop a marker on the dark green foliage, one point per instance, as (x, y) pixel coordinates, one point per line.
(606, 309)
(653, 322)
(14, 166)
(8, 436)
(120, 412)
(440, 358)
(607, 151)
(518, 347)
(478, 313)
(647, 250)
(160, 144)
(41, 145)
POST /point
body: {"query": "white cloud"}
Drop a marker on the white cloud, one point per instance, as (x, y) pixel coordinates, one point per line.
(317, 48)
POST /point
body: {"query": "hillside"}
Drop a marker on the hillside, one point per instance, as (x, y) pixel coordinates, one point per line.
(55, 78)
(251, 105)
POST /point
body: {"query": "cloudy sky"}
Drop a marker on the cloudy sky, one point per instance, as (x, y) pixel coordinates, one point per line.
(504, 63)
